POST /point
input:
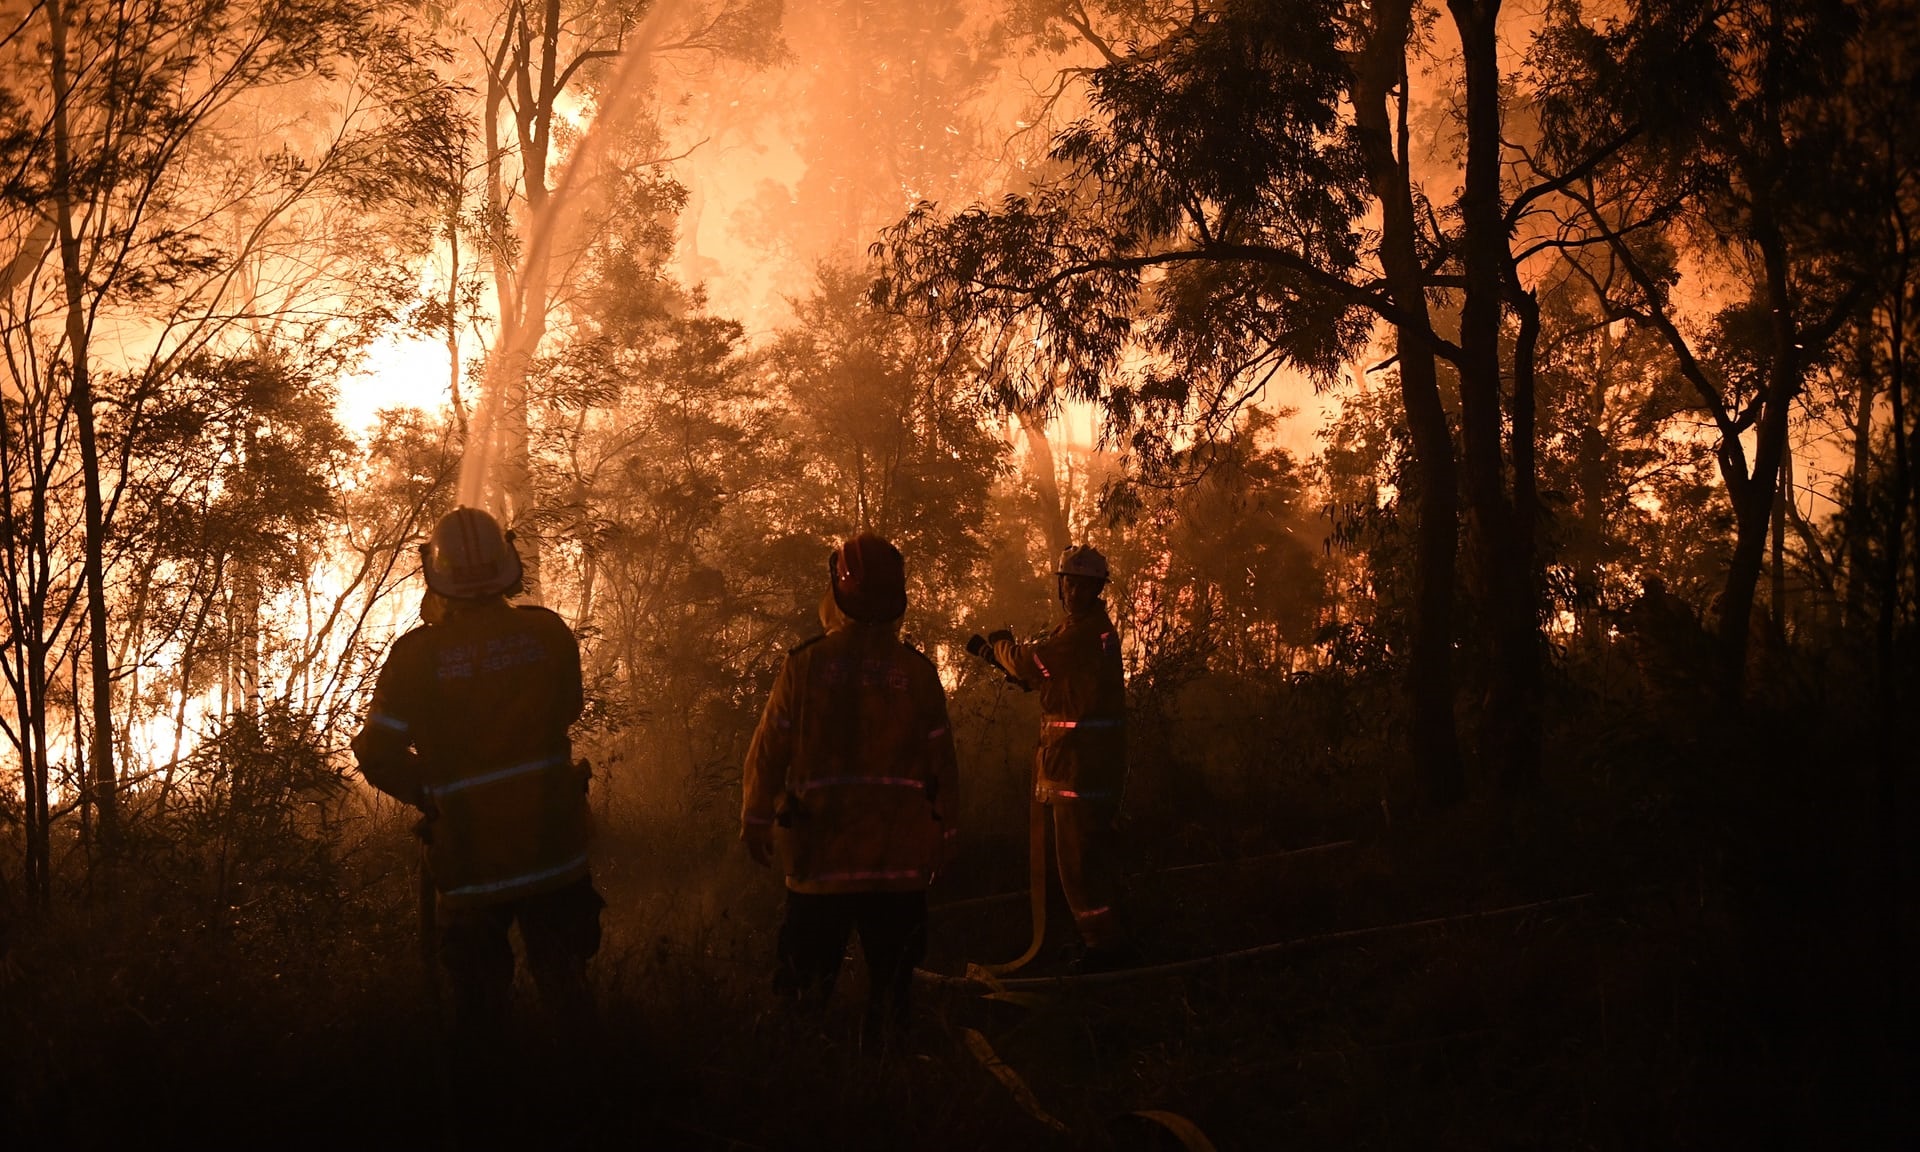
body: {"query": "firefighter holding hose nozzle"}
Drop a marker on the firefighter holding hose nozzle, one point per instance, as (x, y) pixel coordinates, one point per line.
(1081, 766)
(469, 723)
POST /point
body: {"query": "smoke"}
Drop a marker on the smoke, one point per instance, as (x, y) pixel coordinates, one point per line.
(508, 358)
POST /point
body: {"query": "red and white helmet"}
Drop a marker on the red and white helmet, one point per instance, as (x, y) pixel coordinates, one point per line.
(468, 558)
(869, 579)
(1082, 560)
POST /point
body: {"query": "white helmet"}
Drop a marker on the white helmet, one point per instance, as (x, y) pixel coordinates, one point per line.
(1082, 560)
(469, 558)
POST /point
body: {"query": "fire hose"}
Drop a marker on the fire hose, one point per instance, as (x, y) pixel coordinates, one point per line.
(1036, 892)
(1036, 836)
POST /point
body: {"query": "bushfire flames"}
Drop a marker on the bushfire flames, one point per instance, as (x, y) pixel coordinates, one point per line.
(1320, 573)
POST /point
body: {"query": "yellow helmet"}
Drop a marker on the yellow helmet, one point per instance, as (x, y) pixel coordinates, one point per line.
(468, 558)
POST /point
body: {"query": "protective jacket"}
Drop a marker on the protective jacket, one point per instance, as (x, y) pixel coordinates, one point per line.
(469, 721)
(853, 765)
(1083, 704)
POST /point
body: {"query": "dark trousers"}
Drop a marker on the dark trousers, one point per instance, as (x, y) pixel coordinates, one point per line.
(560, 931)
(893, 938)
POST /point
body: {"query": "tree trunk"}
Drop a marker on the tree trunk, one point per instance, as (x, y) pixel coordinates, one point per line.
(1498, 572)
(1527, 650)
(453, 312)
(1754, 512)
(73, 275)
(32, 854)
(245, 630)
(1777, 577)
(21, 607)
(1046, 484)
(1860, 495)
(1440, 780)
(1901, 488)
(1893, 772)
(535, 124)
(589, 577)
(40, 838)
(521, 292)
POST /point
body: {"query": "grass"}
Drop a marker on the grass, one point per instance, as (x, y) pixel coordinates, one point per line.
(1721, 987)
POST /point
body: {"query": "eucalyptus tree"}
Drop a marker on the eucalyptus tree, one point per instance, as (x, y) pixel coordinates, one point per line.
(538, 65)
(880, 432)
(1233, 559)
(1202, 231)
(154, 172)
(1748, 161)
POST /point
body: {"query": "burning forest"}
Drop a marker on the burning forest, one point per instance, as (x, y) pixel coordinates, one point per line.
(1323, 574)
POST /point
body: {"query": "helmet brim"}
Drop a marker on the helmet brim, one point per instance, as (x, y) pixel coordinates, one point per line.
(504, 583)
(886, 610)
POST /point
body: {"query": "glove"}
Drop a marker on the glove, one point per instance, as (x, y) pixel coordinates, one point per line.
(759, 841)
(1000, 635)
(977, 645)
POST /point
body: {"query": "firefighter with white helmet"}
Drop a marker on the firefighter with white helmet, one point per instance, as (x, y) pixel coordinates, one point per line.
(469, 723)
(851, 781)
(1081, 766)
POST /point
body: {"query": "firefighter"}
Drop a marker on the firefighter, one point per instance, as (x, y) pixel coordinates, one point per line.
(469, 724)
(1081, 766)
(851, 782)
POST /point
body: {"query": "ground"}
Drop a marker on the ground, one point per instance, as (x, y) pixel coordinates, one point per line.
(1559, 971)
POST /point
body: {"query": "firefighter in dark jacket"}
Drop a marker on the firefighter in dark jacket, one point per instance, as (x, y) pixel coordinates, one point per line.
(851, 782)
(469, 724)
(1081, 765)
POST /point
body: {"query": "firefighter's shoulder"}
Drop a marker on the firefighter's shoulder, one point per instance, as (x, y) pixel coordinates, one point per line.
(411, 643)
(544, 614)
(805, 644)
(1091, 625)
(924, 669)
(924, 658)
(409, 660)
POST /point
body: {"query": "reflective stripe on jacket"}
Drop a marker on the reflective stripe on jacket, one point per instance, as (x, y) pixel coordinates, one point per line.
(1083, 701)
(469, 721)
(853, 764)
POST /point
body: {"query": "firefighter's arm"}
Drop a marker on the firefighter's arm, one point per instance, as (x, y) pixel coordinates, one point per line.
(384, 744)
(1017, 658)
(765, 777)
(1062, 653)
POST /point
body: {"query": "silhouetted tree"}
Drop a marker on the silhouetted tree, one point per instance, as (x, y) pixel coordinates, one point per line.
(123, 134)
(1203, 233)
(1742, 155)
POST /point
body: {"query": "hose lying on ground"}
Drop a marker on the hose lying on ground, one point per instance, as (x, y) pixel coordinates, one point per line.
(1242, 862)
(981, 977)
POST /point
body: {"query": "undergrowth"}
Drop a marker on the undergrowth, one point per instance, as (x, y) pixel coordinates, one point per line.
(246, 973)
